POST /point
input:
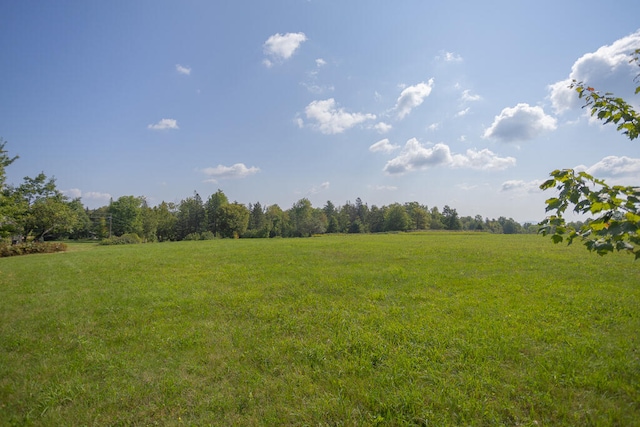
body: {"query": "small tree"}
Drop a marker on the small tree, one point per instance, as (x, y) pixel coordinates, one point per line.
(617, 208)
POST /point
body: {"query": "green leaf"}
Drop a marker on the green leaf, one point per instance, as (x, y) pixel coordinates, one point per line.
(556, 238)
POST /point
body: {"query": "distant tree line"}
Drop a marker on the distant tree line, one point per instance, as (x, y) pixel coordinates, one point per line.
(37, 209)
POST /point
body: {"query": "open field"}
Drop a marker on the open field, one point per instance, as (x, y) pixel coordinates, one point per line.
(401, 329)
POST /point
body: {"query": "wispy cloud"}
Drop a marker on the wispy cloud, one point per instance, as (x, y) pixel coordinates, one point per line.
(518, 186)
(383, 146)
(319, 188)
(329, 119)
(520, 123)
(239, 170)
(415, 156)
(183, 70)
(467, 96)
(280, 47)
(383, 187)
(449, 57)
(164, 124)
(411, 97)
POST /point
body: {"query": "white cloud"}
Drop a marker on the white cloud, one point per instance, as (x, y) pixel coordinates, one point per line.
(95, 195)
(383, 146)
(164, 124)
(462, 113)
(322, 187)
(382, 127)
(433, 126)
(280, 47)
(239, 170)
(412, 97)
(518, 186)
(449, 57)
(484, 159)
(383, 187)
(183, 70)
(320, 62)
(72, 193)
(330, 119)
(607, 69)
(519, 123)
(415, 156)
(468, 97)
(616, 167)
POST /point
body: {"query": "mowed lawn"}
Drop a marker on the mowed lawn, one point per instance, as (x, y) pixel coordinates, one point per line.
(429, 329)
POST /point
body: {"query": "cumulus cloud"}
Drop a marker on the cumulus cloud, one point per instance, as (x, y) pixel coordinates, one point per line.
(329, 119)
(320, 62)
(411, 97)
(72, 193)
(164, 124)
(615, 167)
(383, 146)
(415, 156)
(239, 170)
(382, 127)
(483, 159)
(75, 193)
(183, 70)
(522, 122)
(280, 47)
(607, 68)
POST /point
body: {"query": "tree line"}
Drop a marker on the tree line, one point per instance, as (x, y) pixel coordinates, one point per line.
(37, 209)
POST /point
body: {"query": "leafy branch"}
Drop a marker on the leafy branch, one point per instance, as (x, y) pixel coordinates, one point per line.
(617, 207)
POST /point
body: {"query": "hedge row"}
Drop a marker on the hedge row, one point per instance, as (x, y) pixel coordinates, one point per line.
(7, 249)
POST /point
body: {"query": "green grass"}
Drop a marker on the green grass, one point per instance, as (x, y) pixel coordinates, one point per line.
(401, 329)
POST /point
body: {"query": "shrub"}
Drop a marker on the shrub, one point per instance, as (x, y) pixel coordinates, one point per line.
(192, 236)
(125, 239)
(207, 235)
(7, 249)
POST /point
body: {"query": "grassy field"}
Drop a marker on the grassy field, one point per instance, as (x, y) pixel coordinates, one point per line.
(404, 329)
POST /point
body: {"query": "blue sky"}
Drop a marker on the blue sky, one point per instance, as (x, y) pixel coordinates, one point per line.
(462, 104)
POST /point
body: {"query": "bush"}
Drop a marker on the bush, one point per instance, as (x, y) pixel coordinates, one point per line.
(192, 236)
(125, 239)
(7, 249)
(207, 235)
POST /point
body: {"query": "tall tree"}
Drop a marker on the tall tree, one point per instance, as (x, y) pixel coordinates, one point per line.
(126, 214)
(192, 217)
(450, 218)
(233, 220)
(212, 207)
(166, 215)
(396, 218)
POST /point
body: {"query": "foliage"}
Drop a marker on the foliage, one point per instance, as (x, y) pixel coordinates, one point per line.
(233, 220)
(618, 207)
(33, 247)
(125, 239)
(127, 215)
